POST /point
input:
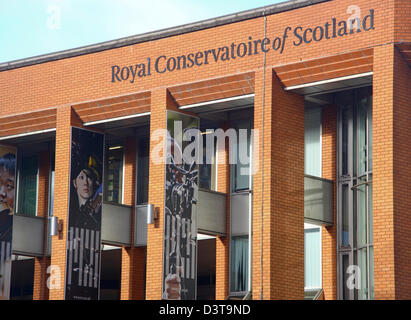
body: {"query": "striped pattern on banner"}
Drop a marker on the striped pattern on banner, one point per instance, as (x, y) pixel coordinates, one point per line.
(178, 235)
(84, 256)
(5, 264)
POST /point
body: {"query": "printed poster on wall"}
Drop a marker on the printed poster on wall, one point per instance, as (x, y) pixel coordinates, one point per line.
(181, 195)
(7, 195)
(84, 219)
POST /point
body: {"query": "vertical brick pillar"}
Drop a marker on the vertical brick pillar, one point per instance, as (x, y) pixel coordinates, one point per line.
(278, 209)
(402, 176)
(329, 234)
(65, 118)
(156, 193)
(383, 172)
(391, 174)
(223, 243)
(132, 259)
(40, 290)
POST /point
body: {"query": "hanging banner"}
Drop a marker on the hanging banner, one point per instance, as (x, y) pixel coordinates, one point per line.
(180, 219)
(84, 219)
(7, 194)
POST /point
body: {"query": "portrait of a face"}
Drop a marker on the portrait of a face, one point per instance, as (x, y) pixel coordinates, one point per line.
(7, 182)
(84, 185)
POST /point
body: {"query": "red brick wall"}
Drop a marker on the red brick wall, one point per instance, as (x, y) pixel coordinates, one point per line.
(402, 20)
(132, 259)
(392, 173)
(88, 77)
(159, 99)
(223, 243)
(329, 234)
(383, 172)
(65, 119)
(282, 201)
(40, 290)
(402, 176)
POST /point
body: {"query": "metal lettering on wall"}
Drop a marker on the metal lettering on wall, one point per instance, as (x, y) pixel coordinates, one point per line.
(84, 223)
(295, 36)
(7, 194)
(180, 228)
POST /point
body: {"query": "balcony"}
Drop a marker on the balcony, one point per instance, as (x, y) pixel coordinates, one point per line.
(211, 212)
(116, 225)
(318, 200)
(29, 232)
(28, 236)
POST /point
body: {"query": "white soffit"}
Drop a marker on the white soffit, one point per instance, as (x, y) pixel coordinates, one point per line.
(120, 122)
(237, 102)
(332, 85)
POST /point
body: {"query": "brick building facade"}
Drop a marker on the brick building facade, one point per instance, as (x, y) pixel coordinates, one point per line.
(272, 65)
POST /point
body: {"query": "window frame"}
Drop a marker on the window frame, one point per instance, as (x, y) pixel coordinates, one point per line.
(20, 156)
(308, 226)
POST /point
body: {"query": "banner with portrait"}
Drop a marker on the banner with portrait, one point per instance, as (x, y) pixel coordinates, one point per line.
(181, 196)
(8, 157)
(83, 253)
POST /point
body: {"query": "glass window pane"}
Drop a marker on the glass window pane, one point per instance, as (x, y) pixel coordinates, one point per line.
(28, 186)
(361, 214)
(312, 258)
(362, 137)
(370, 153)
(242, 168)
(345, 235)
(362, 264)
(370, 217)
(371, 252)
(312, 142)
(51, 194)
(143, 171)
(345, 265)
(207, 169)
(344, 148)
(114, 174)
(239, 264)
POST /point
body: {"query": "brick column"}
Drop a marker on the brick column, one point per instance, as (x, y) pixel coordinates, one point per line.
(329, 234)
(391, 174)
(154, 273)
(132, 259)
(65, 118)
(223, 243)
(40, 290)
(278, 235)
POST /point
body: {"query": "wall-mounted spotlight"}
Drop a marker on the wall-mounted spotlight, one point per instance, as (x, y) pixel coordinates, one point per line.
(152, 214)
(56, 226)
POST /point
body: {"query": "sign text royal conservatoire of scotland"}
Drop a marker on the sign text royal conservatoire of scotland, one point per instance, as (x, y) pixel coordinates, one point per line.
(298, 36)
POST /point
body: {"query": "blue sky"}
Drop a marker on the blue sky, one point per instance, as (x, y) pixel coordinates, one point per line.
(33, 27)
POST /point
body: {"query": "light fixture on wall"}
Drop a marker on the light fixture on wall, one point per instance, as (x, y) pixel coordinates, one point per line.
(56, 226)
(152, 214)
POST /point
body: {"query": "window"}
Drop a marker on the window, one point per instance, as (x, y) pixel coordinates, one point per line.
(51, 187)
(239, 264)
(113, 183)
(355, 228)
(28, 176)
(312, 257)
(241, 179)
(312, 141)
(208, 169)
(143, 163)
